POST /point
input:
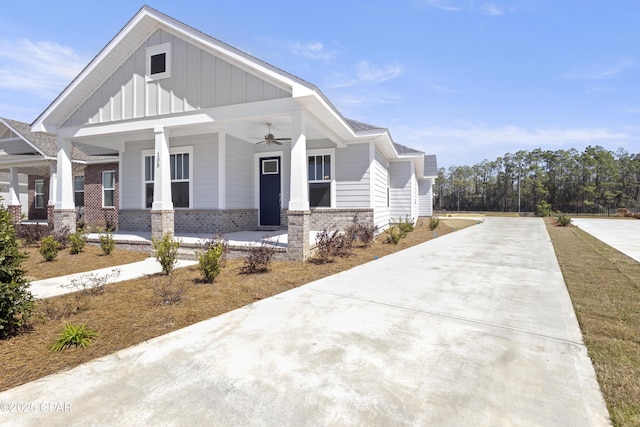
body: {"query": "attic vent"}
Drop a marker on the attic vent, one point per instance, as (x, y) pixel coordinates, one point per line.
(158, 62)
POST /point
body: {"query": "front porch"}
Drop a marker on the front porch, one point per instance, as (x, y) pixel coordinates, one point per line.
(239, 242)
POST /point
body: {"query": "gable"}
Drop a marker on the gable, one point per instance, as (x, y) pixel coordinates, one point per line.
(198, 79)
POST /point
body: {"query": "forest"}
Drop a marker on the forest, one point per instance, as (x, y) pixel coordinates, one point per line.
(594, 181)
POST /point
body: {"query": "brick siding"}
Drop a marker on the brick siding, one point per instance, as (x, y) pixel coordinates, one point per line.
(329, 218)
(200, 221)
(94, 213)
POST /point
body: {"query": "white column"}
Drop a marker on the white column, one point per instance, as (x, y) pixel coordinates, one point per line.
(14, 190)
(53, 185)
(64, 187)
(162, 179)
(299, 194)
(222, 178)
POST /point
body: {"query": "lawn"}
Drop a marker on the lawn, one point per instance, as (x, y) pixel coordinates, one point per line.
(130, 312)
(604, 285)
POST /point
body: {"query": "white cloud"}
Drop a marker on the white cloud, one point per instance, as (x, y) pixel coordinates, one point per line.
(448, 5)
(39, 68)
(373, 74)
(491, 9)
(600, 72)
(312, 50)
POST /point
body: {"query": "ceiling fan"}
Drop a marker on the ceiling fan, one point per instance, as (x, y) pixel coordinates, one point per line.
(270, 139)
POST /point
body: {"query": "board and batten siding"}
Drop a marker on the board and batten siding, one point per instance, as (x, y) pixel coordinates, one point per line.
(199, 79)
(239, 176)
(380, 183)
(352, 176)
(425, 197)
(400, 190)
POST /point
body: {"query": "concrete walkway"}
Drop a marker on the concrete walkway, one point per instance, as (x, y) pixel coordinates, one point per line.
(59, 285)
(622, 234)
(473, 328)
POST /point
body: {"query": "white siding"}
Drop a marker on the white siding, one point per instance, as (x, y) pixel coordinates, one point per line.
(380, 181)
(131, 192)
(425, 202)
(204, 176)
(400, 189)
(23, 196)
(352, 176)
(198, 79)
(240, 174)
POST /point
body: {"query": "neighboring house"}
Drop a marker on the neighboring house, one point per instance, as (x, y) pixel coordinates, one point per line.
(28, 164)
(211, 139)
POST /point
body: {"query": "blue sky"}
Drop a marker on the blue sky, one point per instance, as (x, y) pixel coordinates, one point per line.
(466, 80)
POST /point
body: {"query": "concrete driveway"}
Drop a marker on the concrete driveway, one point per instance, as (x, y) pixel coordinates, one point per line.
(473, 328)
(622, 234)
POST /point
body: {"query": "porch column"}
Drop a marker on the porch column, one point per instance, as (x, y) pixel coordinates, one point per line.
(298, 215)
(65, 209)
(13, 204)
(222, 180)
(53, 186)
(162, 220)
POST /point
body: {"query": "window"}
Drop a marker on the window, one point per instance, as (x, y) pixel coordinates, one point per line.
(320, 181)
(158, 62)
(78, 190)
(39, 190)
(270, 167)
(108, 189)
(180, 179)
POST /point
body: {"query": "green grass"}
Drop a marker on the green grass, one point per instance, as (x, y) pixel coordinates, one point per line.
(604, 285)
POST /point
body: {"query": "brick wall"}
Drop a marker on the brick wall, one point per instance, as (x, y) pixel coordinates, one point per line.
(94, 213)
(330, 218)
(33, 212)
(200, 221)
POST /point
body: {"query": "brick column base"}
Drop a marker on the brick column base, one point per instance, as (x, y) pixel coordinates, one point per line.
(161, 222)
(16, 213)
(50, 215)
(298, 222)
(64, 218)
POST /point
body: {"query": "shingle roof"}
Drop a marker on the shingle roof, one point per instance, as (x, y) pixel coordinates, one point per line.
(44, 142)
(430, 165)
(403, 149)
(361, 126)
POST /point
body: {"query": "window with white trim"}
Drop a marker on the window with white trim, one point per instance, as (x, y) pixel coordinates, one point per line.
(78, 190)
(319, 180)
(180, 165)
(108, 189)
(39, 194)
(158, 62)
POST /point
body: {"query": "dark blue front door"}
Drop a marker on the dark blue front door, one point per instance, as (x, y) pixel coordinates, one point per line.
(270, 191)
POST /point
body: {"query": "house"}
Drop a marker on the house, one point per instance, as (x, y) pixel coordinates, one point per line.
(210, 139)
(28, 165)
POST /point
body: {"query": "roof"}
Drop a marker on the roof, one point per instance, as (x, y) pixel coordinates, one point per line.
(430, 165)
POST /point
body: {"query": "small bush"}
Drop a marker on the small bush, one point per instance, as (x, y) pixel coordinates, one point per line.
(210, 260)
(92, 283)
(363, 233)
(62, 237)
(259, 258)
(543, 209)
(393, 235)
(78, 241)
(166, 292)
(31, 234)
(563, 220)
(434, 222)
(49, 248)
(331, 244)
(405, 226)
(166, 252)
(106, 243)
(77, 335)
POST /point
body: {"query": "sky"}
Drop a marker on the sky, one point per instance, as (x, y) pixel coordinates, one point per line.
(466, 80)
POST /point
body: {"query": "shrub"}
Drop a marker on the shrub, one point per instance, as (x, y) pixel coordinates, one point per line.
(92, 283)
(258, 258)
(31, 234)
(543, 209)
(210, 260)
(79, 336)
(434, 222)
(166, 293)
(364, 233)
(78, 241)
(166, 252)
(16, 301)
(405, 227)
(393, 235)
(62, 237)
(563, 220)
(49, 248)
(331, 244)
(106, 243)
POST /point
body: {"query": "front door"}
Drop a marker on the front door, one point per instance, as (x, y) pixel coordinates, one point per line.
(269, 191)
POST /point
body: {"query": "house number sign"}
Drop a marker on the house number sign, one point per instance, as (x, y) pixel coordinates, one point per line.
(157, 160)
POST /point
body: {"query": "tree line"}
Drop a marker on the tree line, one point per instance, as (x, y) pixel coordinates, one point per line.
(595, 180)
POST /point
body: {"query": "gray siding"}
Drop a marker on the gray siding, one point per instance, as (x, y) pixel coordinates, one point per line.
(380, 181)
(131, 174)
(425, 197)
(400, 190)
(204, 176)
(240, 174)
(352, 176)
(198, 79)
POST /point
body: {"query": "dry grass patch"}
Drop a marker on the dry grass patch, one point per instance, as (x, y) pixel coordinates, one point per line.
(604, 285)
(130, 312)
